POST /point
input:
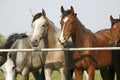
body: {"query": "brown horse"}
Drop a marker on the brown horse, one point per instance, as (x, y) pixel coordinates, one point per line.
(115, 41)
(115, 31)
(86, 59)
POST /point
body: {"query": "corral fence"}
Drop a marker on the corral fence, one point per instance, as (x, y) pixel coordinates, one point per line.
(60, 49)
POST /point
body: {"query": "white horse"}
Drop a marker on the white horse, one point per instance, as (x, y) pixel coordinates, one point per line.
(55, 60)
(8, 69)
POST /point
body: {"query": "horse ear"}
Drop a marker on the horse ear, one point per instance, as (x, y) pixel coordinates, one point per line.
(62, 10)
(72, 9)
(111, 18)
(33, 14)
(43, 12)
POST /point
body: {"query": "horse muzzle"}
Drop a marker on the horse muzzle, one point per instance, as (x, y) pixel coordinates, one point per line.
(113, 44)
(35, 43)
(63, 41)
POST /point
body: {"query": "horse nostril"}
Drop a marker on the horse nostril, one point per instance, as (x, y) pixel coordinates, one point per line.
(65, 38)
(35, 42)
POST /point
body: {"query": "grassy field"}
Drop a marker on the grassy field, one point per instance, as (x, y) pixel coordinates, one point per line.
(55, 76)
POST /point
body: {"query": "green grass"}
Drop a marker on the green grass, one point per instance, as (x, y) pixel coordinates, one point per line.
(55, 76)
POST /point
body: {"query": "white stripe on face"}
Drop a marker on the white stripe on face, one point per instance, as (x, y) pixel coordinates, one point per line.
(114, 26)
(65, 19)
(61, 35)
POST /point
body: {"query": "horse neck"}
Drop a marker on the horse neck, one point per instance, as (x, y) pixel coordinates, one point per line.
(78, 36)
(53, 34)
(103, 37)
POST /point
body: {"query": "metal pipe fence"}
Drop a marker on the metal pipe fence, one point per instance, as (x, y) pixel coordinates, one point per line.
(60, 49)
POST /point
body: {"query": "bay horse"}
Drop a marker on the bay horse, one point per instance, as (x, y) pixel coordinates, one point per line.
(23, 62)
(82, 37)
(115, 42)
(53, 60)
(115, 32)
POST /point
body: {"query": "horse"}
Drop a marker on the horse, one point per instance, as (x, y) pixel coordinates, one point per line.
(3, 55)
(115, 31)
(23, 62)
(6, 61)
(88, 60)
(115, 42)
(53, 60)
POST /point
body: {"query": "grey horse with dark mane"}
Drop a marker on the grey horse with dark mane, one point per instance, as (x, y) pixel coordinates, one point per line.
(23, 62)
(3, 55)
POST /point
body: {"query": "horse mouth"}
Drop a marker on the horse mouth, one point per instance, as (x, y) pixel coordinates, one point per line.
(63, 42)
(35, 44)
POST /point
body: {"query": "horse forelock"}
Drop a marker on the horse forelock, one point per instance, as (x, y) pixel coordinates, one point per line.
(38, 15)
(67, 12)
(115, 21)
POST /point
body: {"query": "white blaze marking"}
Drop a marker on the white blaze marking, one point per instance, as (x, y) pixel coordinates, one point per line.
(65, 19)
(114, 26)
(86, 75)
(61, 35)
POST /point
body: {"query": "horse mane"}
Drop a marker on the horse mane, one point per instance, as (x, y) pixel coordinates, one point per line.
(9, 42)
(12, 38)
(100, 31)
(38, 15)
(51, 22)
(86, 29)
(67, 12)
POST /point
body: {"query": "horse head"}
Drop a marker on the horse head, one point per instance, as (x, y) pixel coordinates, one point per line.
(115, 31)
(8, 69)
(39, 25)
(68, 22)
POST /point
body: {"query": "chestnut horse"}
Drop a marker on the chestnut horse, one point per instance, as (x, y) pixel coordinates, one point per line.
(82, 37)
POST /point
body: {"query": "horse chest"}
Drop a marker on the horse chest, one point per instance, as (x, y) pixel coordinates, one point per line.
(56, 56)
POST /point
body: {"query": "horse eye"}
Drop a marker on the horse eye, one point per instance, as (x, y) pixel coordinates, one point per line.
(13, 67)
(72, 23)
(43, 25)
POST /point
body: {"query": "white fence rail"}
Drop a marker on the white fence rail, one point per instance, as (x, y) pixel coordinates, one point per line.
(60, 49)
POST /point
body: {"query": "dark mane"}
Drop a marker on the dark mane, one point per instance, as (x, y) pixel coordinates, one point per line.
(67, 12)
(115, 21)
(9, 42)
(12, 38)
(37, 16)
